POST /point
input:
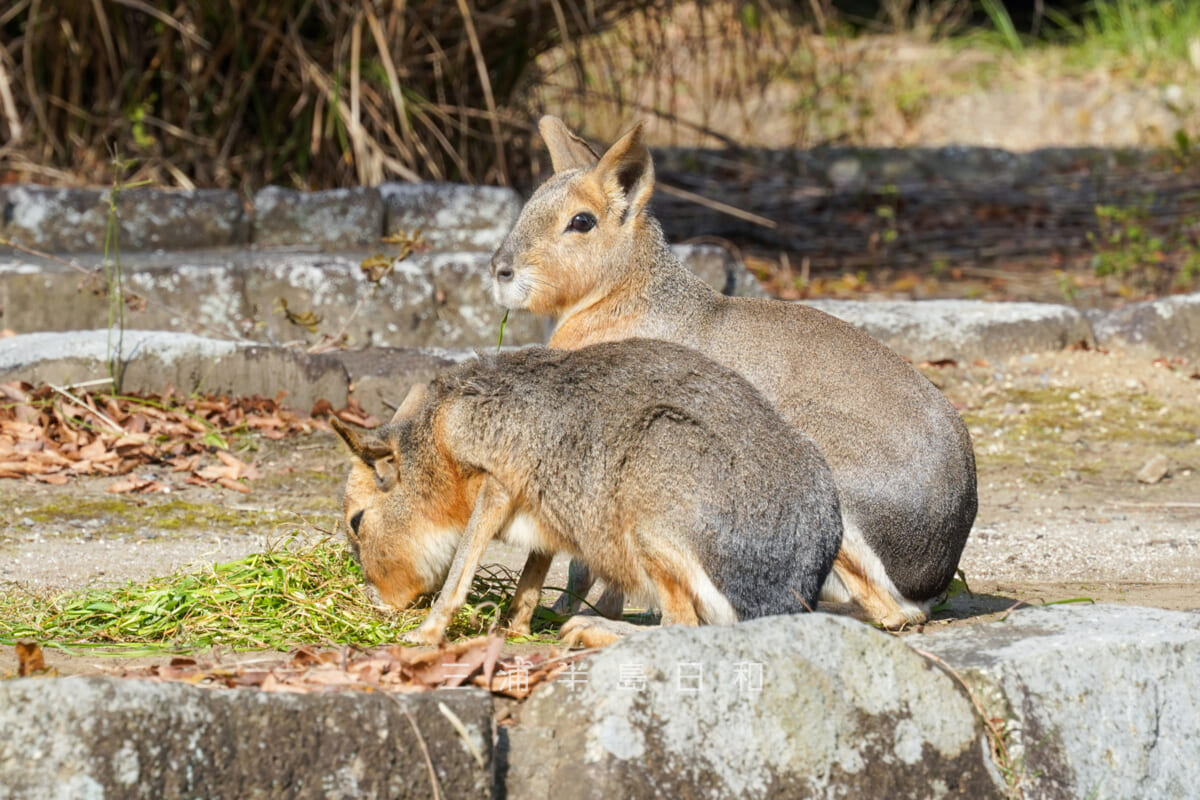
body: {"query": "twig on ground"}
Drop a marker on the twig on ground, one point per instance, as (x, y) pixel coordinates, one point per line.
(117, 429)
(458, 726)
(994, 729)
(433, 781)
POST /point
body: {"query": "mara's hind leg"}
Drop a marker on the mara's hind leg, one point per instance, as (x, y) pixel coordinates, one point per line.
(684, 593)
(864, 581)
(579, 582)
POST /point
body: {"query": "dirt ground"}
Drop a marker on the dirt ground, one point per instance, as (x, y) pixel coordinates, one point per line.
(1060, 439)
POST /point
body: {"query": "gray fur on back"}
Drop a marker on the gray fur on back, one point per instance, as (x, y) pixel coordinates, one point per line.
(652, 436)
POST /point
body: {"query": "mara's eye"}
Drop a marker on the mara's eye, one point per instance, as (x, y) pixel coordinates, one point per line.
(581, 223)
(355, 521)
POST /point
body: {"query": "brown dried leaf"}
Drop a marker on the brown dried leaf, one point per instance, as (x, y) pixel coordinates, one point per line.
(50, 458)
(273, 684)
(233, 462)
(23, 430)
(132, 440)
(93, 451)
(29, 658)
(249, 678)
(128, 485)
(328, 676)
(215, 473)
(308, 656)
(185, 463)
(272, 421)
(230, 483)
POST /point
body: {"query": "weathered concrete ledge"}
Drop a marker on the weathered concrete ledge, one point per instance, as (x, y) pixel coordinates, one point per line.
(1098, 701)
(964, 330)
(150, 360)
(288, 269)
(274, 296)
(62, 220)
(107, 737)
(414, 329)
(1169, 326)
(801, 706)
(67, 220)
(1092, 701)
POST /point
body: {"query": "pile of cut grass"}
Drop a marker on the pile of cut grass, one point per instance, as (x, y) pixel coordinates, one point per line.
(292, 594)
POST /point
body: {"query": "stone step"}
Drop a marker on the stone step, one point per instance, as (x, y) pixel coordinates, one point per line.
(73, 220)
(1081, 701)
(281, 296)
(149, 361)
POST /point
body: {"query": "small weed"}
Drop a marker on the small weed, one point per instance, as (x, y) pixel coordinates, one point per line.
(1003, 24)
(957, 587)
(1142, 255)
(1067, 284)
(1148, 37)
(114, 276)
(500, 338)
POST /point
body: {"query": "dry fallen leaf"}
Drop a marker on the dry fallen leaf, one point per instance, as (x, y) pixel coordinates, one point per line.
(53, 435)
(29, 659)
(392, 669)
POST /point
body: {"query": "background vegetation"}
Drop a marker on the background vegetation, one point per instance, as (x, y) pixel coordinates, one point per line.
(320, 93)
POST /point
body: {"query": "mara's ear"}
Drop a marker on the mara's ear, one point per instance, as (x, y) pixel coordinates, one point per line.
(627, 173)
(412, 401)
(567, 151)
(366, 446)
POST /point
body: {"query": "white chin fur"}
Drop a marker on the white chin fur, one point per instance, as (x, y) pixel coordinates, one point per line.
(510, 295)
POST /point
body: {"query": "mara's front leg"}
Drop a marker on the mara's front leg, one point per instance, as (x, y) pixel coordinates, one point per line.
(493, 510)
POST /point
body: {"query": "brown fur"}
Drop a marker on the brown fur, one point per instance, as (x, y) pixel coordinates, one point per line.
(641, 457)
(900, 454)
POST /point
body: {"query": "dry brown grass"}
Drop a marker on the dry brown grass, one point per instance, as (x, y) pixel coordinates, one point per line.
(310, 93)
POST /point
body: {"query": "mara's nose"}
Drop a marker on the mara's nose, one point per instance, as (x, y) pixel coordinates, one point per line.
(502, 269)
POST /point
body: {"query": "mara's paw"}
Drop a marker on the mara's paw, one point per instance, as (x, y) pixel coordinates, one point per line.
(426, 634)
(517, 628)
(899, 619)
(587, 631)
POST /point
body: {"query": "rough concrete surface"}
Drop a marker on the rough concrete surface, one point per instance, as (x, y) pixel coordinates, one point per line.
(451, 216)
(963, 330)
(92, 738)
(1169, 326)
(150, 360)
(802, 706)
(274, 296)
(1099, 701)
(60, 220)
(333, 219)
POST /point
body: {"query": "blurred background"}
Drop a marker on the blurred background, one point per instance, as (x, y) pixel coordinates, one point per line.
(315, 94)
